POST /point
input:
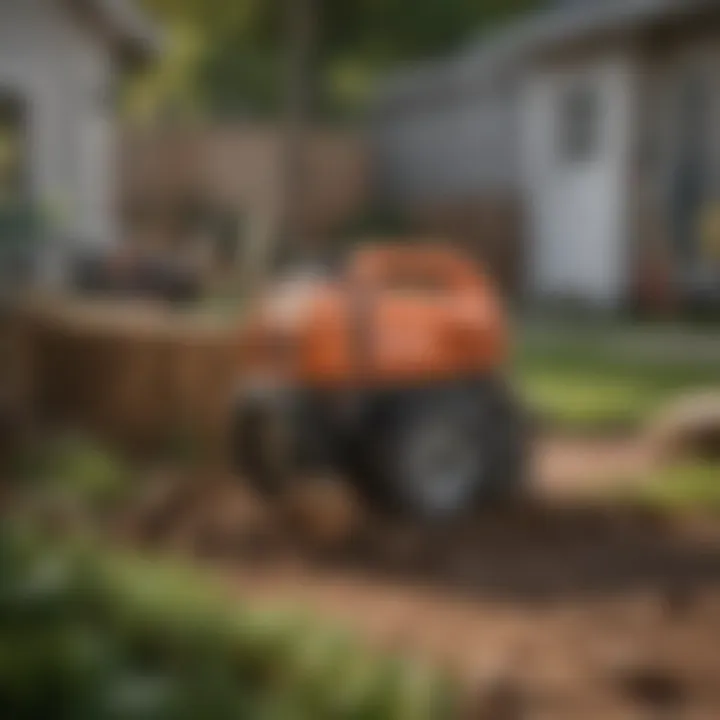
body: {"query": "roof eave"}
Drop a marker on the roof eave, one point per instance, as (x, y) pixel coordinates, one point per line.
(133, 37)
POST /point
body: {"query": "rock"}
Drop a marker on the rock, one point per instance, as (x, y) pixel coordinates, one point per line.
(687, 429)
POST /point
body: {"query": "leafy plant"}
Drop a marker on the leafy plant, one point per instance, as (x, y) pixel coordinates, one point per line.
(99, 635)
(79, 468)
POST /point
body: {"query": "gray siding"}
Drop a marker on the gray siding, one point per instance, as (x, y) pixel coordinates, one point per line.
(455, 148)
(64, 74)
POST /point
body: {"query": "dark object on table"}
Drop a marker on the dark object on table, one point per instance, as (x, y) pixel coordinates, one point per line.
(136, 276)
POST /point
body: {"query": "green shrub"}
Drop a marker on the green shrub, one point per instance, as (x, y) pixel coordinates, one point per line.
(87, 634)
(77, 467)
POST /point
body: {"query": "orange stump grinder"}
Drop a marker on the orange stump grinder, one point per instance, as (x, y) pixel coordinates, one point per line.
(389, 373)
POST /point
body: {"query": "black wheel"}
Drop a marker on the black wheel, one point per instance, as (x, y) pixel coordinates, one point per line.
(278, 438)
(441, 452)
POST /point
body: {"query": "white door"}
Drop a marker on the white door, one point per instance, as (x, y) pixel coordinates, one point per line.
(576, 130)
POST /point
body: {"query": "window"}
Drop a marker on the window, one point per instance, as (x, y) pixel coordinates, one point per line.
(578, 125)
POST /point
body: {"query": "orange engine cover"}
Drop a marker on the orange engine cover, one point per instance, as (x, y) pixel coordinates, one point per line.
(397, 315)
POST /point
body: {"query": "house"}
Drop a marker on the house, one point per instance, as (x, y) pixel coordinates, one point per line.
(598, 122)
(60, 64)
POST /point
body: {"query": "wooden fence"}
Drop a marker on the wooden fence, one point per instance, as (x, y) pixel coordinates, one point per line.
(130, 373)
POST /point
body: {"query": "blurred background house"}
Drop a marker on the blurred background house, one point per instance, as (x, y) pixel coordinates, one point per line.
(574, 148)
(580, 145)
(61, 63)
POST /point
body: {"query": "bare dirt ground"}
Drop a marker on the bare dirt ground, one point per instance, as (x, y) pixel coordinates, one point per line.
(565, 607)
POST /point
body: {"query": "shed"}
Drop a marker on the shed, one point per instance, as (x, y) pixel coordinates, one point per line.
(606, 133)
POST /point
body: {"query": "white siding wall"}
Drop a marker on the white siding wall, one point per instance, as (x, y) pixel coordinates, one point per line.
(65, 76)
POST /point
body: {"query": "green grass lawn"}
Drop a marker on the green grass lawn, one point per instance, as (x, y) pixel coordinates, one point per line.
(609, 378)
(682, 487)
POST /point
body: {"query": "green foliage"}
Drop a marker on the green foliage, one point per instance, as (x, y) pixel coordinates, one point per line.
(227, 58)
(170, 90)
(221, 59)
(79, 468)
(92, 635)
(389, 31)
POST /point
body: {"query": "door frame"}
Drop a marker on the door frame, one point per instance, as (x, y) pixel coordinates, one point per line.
(612, 71)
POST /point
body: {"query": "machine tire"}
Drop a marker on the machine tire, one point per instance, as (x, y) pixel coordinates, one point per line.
(439, 453)
(279, 438)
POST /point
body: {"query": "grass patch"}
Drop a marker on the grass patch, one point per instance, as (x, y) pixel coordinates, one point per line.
(598, 382)
(690, 486)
